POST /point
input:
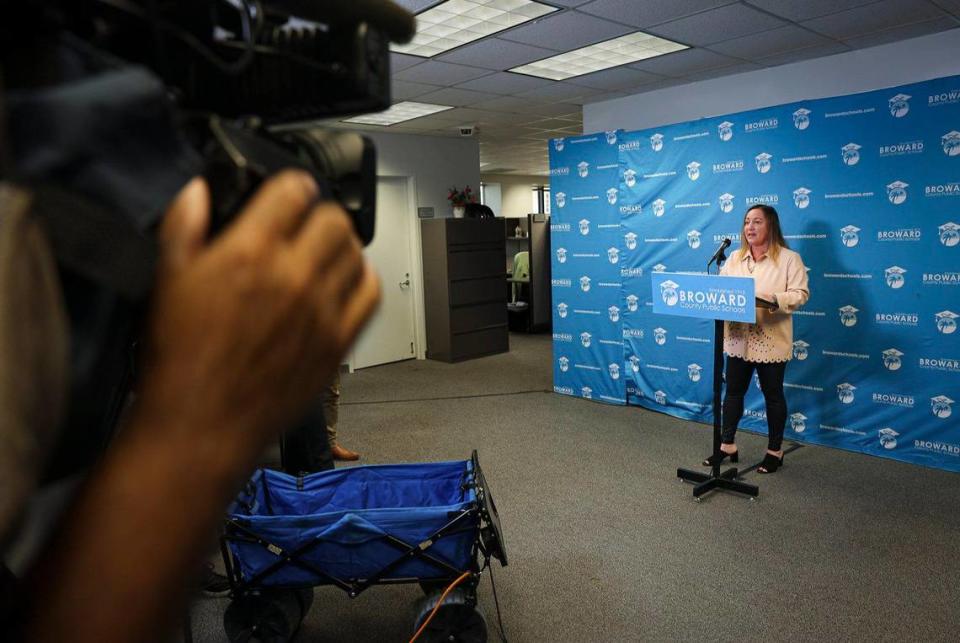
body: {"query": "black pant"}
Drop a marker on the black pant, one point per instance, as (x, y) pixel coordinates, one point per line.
(739, 373)
(306, 447)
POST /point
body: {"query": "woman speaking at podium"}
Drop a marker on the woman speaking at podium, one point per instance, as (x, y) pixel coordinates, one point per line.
(767, 345)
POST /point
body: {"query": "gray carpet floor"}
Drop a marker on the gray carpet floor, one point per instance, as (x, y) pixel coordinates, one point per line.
(605, 544)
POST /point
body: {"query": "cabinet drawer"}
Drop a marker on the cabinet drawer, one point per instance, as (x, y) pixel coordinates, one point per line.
(481, 342)
(474, 230)
(471, 318)
(470, 265)
(478, 291)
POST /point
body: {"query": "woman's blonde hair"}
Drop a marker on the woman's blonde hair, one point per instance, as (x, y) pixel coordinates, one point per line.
(773, 228)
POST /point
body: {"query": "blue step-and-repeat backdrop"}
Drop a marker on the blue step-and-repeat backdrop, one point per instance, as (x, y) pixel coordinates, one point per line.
(868, 191)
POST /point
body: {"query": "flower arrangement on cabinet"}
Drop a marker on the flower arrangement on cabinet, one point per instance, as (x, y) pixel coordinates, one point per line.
(459, 198)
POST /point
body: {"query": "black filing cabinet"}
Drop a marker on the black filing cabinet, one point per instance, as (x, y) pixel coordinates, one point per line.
(463, 276)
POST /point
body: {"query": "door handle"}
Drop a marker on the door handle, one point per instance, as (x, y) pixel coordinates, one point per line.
(406, 282)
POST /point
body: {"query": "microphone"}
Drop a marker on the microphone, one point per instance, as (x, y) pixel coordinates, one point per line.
(718, 255)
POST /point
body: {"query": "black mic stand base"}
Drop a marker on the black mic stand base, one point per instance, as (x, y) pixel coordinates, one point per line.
(725, 481)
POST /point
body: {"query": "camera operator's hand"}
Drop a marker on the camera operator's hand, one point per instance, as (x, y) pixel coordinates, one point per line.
(244, 331)
(248, 328)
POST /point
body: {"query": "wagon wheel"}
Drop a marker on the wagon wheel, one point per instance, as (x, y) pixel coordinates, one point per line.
(272, 617)
(456, 620)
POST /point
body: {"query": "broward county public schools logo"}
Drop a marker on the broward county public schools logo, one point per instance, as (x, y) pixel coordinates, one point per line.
(951, 143)
(562, 309)
(947, 322)
(726, 202)
(611, 136)
(801, 198)
(585, 339)
(587, 393)
(940, 406)
(899, 105)
(798, 422)
(849, 236)
(725, 130)
(693, 239)
(660, 336)
(763, 162)
(659, 268)
(614, 314)
(801, 349)
(583, 169)
(845, 392)
(558, 144)
(561, 198)
(630, 239)
(949, 234)
(660, 397)
(656, 142)
(612, 196)
(613, 255)
(585, 283)
(693, 170)
(659, 207)
(801, 118)
(633, 302)
(668, 292)
(848, 315)
(584, 227)
(888, 438)
(561, 255)
(850, 153)
(614, 370)
(891, 359)
(897, 192)
(894, 276)
(630, 178)
(635, 363)
(564, 364)
(693, 372)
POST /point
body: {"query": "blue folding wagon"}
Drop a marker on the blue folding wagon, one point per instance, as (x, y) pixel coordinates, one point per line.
(435, 524)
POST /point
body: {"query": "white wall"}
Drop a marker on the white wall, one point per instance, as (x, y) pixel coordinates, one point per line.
(515, 193)
(436, 163)
(907, 61)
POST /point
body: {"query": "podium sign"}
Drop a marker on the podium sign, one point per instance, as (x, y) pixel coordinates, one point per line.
(704, 296)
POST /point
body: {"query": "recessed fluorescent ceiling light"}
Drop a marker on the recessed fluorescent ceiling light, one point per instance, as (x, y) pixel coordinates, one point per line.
(457, 22)
(405, 111)
(603, 55)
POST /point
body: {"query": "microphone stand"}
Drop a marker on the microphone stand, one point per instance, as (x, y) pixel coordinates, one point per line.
(717, 480)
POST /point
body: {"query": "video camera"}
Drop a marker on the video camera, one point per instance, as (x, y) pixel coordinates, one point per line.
(112, 104)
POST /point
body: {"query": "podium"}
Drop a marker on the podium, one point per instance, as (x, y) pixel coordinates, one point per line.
(720, 298)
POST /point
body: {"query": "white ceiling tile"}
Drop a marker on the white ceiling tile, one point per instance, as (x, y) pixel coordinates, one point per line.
(565, 31)
(455, 97)
(682, 63)
(710, 74)
(886, 14)
(399, 62)
(903, 33)
(403, 90)
(505, 83)
(731, 21)
(648, 12)
(798, 10)
(438, 73)
(616, 78)
(769, 43)
(496, 54)
(804, 54)
(559, 91)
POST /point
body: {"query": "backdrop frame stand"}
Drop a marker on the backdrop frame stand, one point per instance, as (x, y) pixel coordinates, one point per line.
(717, 480)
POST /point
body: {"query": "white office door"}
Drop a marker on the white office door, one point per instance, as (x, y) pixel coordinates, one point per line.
(390, 335)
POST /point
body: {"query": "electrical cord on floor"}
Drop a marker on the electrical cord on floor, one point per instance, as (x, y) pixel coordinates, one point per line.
(463, 577)
(503, 636)
(451, 397)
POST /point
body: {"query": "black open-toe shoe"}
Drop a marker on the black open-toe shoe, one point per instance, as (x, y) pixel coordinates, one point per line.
(718, 458)
(770, 464)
